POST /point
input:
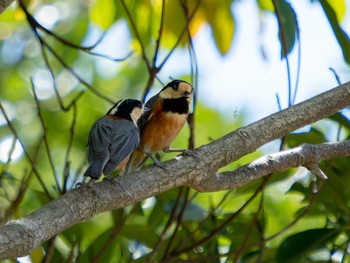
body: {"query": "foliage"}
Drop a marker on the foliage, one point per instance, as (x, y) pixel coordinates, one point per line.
(56, 80)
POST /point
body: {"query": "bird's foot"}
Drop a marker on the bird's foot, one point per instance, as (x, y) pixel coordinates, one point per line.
(190, 154)
(84, 184)
(108, 178)
(161, 165)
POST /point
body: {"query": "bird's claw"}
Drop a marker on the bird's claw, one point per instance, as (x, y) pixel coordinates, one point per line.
(108, 178)
(83, 184)
(190, 154)
(162, 165)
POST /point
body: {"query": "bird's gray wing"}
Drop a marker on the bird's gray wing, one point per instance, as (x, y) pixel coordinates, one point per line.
(98, 144)
(125, 139)
(99, 139)
(147, 114)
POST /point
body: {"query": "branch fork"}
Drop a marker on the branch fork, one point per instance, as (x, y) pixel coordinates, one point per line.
(19, 237)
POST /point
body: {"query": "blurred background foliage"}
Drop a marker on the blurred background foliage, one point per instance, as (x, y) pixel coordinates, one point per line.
(61, 69)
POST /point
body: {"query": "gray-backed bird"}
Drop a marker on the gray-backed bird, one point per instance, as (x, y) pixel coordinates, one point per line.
(113, 138)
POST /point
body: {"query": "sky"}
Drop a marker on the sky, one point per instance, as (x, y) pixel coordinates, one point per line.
(243, 80)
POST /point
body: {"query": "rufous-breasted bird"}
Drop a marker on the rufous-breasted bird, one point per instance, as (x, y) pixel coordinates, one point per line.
(113, 138)
(167, 113)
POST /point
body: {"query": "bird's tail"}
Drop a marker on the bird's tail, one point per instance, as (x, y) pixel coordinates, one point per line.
(137, 158)
(94, 170)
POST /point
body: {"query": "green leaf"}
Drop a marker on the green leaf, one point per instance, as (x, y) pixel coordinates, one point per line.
(141, 233)
(341, 119)
(103, 13)
(193, 211)
(108, 247)
(300, 245)
(222, 24)
(313, 137)
(266, 5)
(340, 34)
(267, 255)
(288, 29)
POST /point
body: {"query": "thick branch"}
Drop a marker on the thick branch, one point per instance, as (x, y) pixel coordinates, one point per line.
(306, 155)
(20, 237)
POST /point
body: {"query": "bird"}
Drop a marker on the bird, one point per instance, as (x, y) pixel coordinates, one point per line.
(113, 138)
(159, 126)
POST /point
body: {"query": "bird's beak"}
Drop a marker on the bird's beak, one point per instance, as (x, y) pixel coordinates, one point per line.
(187, 93)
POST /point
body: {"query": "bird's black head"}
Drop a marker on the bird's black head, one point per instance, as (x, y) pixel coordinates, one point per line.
(128, 109)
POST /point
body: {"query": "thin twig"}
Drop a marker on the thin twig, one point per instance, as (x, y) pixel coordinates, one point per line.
(136, 32)
(9, 158)
(161, 27)
(194, 76)
(50, 250)
(179, 251)
(296, 220)
(284, 50)
(36, 25)
(17, 201)
(81, 81)
(260, 226)
(220, 205)
(69, 146)
(22, 189)
(46, 142)
(337, 78)
(299, 58)
(181, 35)
(155, 69)
(250, 229)
(119, 223)
(179, 220)
(29, 159)
(151, 256)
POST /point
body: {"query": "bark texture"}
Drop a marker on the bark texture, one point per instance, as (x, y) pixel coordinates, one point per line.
(19, 237)
(5, 4)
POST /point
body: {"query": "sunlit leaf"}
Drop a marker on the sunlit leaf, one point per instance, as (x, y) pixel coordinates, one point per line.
(103, 13)
(37, 255)
(175, 22)
(173, 12)
(221, 21)
(266, 5)
(339, 7)
(300, 245)
(342, 37)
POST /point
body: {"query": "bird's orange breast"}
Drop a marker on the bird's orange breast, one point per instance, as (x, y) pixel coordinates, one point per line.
(161, 129)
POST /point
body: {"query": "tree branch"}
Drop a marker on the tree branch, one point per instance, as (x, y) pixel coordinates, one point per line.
(21, 236)
(306, 155)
